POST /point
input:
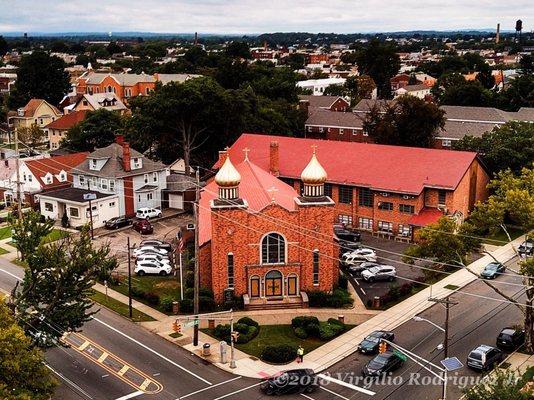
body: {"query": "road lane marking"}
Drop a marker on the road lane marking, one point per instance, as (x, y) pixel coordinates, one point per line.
(10, 274)
(209, 387)
(152, 351)
(145, 384)
(334, 393)
(84, 345)
(131, 395)
(75, 386)
(238, 391)
(308, 397)
(349, 385)
(102, 357)
(123, 371)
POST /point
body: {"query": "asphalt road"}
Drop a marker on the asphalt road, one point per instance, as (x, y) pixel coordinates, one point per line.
(176, 373)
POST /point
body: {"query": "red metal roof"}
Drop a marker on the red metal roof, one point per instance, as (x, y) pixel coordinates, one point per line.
(54, 165)
(255, 188)
(380, 167)
(426, 217)
(68, 120)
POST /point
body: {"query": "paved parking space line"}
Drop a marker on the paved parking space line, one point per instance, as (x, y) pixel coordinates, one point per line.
(131, 395)
(308, 397)
(209, 387)
(239, 391)
(334, 393)
(346, 384)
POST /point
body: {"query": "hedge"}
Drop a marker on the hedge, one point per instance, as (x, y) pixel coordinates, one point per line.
(302, 321)
(280, 354)
(301, 333)
(248, 321)
(248, 329)
(339, 298)
(309, 326)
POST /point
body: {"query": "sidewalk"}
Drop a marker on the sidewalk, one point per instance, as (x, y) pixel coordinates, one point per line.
(338, 348)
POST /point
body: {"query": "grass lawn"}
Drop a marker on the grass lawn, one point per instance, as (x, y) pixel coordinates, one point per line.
(120, 308)
(5, 232)
(500, 238)
(20, 263)
(3, 251)
(160, 285)
(56, 234)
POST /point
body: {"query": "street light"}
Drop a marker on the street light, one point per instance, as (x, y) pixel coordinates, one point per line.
(421, 319)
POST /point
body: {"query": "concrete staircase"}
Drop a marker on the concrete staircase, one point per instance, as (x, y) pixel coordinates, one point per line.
(276, 303)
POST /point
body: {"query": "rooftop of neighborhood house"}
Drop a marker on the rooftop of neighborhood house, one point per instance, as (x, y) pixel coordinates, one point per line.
(67, 121)
(380, 167)
(258, 187)
(95, 78)
(74, 195)
(322, 117)
(415, 88)
(113, 168)
(31, 107)
(54, 165)
(97, 100)
(321, 101)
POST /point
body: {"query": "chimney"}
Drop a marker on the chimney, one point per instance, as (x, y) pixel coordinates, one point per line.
(274, 158)
(119, 139)
(222, 157)
(304, 105)
(498, 36)
(126, 157)
(265, 47)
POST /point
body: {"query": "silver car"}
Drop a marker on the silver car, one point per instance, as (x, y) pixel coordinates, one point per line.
(380, 273)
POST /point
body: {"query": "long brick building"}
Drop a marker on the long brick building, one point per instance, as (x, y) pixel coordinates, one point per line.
(391, 190)
(245, 249)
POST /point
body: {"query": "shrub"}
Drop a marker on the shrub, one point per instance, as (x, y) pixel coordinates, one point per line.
(136, 292)
(222, 332)
(301, 333)
(189, 293)
(312, 329)
(186, 306)
(241, 328)
(317, 298)
(206, 304)
(189, 279)
(248, 321)
(251, 333)
(339, 298)
(334, 321)
(166, 302)
(302, 321)
(342, 282)
(280, 354)
(152, 298)
(329, 330)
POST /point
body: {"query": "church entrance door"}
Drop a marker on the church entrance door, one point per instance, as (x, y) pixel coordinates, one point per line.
(273, 284)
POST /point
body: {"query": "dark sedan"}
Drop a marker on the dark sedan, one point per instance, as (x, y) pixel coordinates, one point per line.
(118, 222)
(382, 364)
(526, 248)
(369, 345)
(510, 338)
(492, 270)
(290, 382)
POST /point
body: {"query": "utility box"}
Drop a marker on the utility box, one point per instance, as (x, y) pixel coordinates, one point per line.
(206, 349)
(223, 347)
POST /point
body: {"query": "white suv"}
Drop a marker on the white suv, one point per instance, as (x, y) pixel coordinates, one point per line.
(380, 273)
(152, 267)
(358, 255)
(146, 213)
(154, 257)
(150, 250)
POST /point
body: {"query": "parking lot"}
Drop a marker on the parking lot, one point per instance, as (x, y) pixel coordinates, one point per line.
(165, 229)
(389, 252)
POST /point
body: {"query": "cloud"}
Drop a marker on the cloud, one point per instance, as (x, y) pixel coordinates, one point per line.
(255, 16)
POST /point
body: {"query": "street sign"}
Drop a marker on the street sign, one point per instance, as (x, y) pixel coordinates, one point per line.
(402, 356)
(89, 196)
(451, 364)
(192, 323)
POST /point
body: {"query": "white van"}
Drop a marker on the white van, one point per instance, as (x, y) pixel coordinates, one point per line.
(146, 213)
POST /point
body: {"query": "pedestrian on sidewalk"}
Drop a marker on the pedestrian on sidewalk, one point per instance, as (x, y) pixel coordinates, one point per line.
(300, 354)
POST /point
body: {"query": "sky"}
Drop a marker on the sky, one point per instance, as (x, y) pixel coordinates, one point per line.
(255, 16)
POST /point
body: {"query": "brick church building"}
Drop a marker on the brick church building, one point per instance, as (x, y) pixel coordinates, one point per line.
(264, 241)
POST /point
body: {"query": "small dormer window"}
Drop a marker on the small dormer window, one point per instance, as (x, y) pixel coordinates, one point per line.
(62, 176)
(136, 163)
(93, 163)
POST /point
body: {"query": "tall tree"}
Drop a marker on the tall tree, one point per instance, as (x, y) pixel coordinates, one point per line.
(501, 385)
(486, 79)
(98, 129)
(470, 93)
(4, 47)
(23, 374)
(31, 136)
(381, 62)
(509, 146)
(40, 76)
(519, 93)
(526, 64)
(409, 121)
(237, 49)
(54, 295)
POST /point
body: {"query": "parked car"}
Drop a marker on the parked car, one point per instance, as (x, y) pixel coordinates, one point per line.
(154, 257)
(369, 345)
(358, 268)
(149, 249)
(156, 243)
(526, 248)
(382, 364)
(484, 357)
(380, 273)
(346, 235)
(492, 270)
(358, 255)
(146, 213)
(152, 267)
(143, 226)
(117, 222)
(292, 381)
(510, 338)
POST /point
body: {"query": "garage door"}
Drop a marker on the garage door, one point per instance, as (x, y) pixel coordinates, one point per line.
(176, 201)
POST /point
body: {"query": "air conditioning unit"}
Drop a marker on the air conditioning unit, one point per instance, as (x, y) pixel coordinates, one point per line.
(406, 197)
(190, 227)
(20, 112)
(443, 209)
(384, 194)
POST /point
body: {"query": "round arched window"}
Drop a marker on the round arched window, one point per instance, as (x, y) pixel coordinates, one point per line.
(273, 249)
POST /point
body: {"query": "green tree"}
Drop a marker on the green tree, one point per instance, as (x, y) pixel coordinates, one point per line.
(509, 146)
(408, 122)
(500, 385)
(295, 61)
(54, 295)
(355, 88)
(29, 231)
(381, 62)
(97, 130)
(519, 93)
(4, 47)
(486, 79)
(113, 48)
(237, 49)
(470, 93)
(526, 64)
(40, 76)
(31, 136)
(23, 374)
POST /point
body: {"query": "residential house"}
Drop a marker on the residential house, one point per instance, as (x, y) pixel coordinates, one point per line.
(332, 103)
(57, 130)
(318, 86)
(388, 190)
(36, 112)
(421, 91)
(335, 125)
(107, 101)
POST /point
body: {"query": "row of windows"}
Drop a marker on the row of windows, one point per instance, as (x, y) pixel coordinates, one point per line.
(382, 226)
(94, 182)
(341, 131)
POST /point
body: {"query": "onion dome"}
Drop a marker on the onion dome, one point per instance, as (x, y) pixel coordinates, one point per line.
(314, 173)
(227, 176)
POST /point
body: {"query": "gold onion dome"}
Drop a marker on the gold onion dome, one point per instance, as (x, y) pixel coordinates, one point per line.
(314, 172)
(227, 176)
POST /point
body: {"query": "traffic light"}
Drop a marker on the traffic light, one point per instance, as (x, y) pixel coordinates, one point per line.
(235, 335)
(176, 326)
(382, 347)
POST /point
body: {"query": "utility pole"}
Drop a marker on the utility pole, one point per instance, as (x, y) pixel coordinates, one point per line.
(129, 280)
(197, 265)
(447, 304)
(91, 220)
(17, 166)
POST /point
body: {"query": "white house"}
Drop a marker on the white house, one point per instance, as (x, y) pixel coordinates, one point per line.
(318, 86)
(419, 91)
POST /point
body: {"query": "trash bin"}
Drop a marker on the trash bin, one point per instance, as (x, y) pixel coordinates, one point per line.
(206, 349)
